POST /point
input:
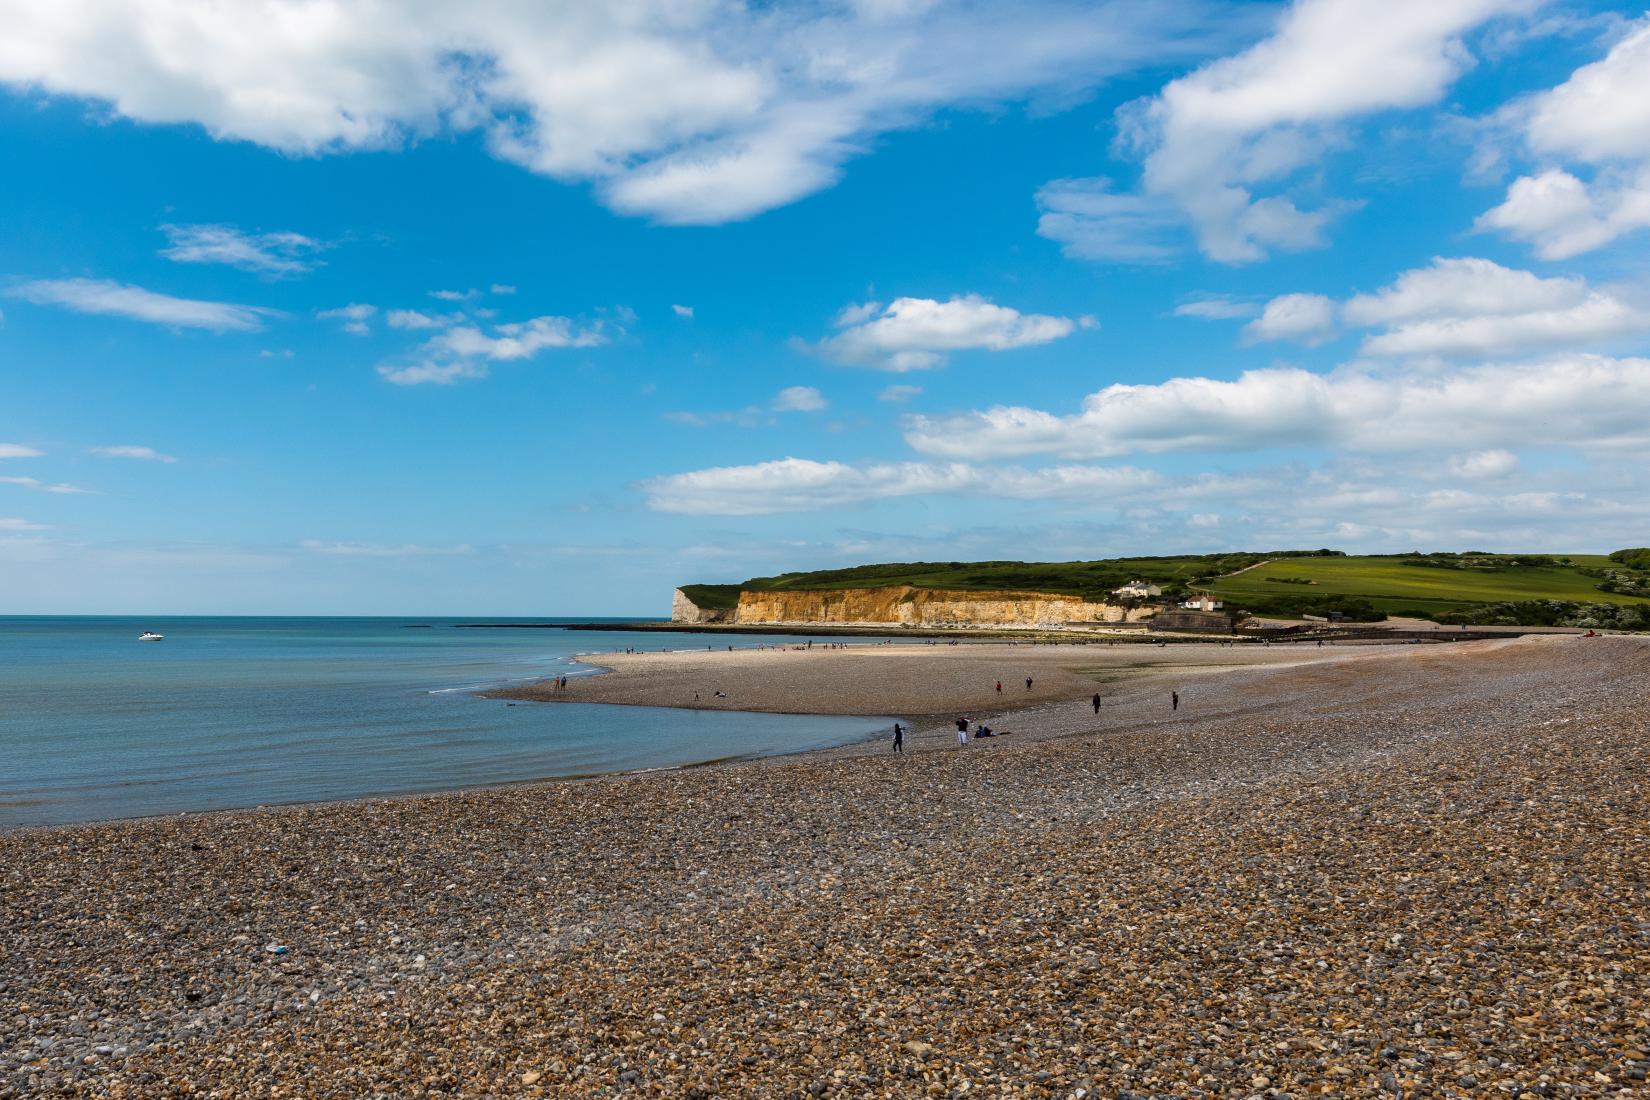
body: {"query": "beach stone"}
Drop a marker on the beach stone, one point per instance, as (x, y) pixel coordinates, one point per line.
(1402, 873)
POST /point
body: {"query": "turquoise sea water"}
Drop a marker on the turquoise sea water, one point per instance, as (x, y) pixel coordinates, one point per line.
(248, 711)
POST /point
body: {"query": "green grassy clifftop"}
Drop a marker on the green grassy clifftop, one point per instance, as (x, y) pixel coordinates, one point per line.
(1456, 586)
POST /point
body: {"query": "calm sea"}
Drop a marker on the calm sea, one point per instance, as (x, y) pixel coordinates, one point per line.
(242, 712)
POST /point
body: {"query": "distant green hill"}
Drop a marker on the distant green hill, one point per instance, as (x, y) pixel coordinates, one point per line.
(1437, 584)
(1283, 583)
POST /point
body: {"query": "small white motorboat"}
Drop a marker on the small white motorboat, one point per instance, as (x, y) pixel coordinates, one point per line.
(151, 636)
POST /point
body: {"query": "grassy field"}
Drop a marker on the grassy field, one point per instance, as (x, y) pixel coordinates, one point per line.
(1278, 582)
(1089, 579)
(1393, 584)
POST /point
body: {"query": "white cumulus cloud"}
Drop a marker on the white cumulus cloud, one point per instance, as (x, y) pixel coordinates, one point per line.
(1575, 400)
(1217, 140)
(518, 340)
(686, 112)
(916, 333)
(465, 350)
(1471, 306)
(1599, 117)
(1305, 318)
(18, 450)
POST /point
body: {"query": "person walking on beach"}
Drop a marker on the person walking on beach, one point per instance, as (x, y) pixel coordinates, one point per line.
(962, 732)
(1097, 702)
(1028, 683)
(899, 738)
(1174, 700)
(999, 687)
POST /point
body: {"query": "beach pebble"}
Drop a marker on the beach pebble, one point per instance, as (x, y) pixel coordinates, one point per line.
(1417, 876)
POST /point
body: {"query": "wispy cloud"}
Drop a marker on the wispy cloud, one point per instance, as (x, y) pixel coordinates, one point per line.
(43, 487)
(521, 339)
(13, 523)
(128, 450)
(18, 450)
(465, 350)
(275, 254)
(380, 550)
(416, 319)
(105, 297)
(432, 373)
(683, 311)
(791, 399)
(354, 316)
(798, 399)
(798, 484)
(1216, 307)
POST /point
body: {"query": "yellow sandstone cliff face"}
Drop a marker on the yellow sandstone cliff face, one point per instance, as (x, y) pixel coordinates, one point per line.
(903, 605)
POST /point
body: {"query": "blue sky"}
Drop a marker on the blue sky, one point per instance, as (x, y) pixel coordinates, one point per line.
(395, 308)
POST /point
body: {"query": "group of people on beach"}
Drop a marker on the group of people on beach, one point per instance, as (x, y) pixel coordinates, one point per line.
(983, 730)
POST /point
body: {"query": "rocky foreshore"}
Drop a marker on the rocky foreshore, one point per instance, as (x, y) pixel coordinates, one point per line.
(1422, 875)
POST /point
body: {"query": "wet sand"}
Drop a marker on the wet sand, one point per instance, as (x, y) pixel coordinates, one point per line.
(914, 679)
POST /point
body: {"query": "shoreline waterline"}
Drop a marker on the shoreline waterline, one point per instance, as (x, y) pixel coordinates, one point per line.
(233, 712)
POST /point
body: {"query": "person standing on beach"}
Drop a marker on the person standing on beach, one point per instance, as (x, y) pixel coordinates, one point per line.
(899, 738)
(1174, 700)
(999, 687)
(1097, 702)
(962, 732)
(1028, 683)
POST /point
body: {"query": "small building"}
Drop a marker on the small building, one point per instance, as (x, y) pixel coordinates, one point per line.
(1202, 602)
(1138, 590)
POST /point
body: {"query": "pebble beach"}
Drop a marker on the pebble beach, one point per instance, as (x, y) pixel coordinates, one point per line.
(1420, 871)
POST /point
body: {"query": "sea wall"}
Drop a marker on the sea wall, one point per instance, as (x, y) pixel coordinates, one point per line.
(906, 606)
